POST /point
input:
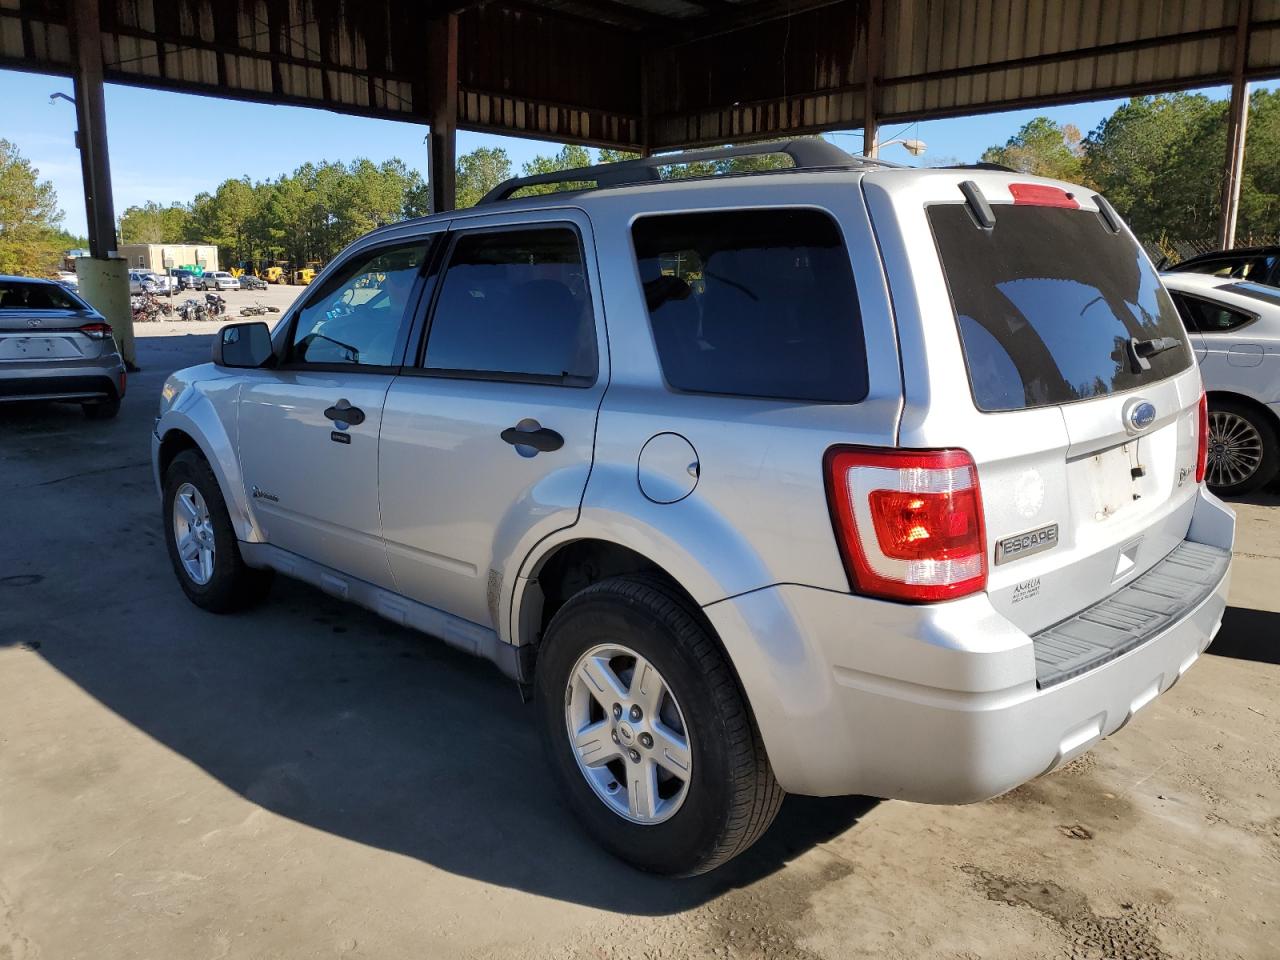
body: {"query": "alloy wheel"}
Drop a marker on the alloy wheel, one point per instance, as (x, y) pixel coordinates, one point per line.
(1235, 449)
(628, 734)
(193, 533)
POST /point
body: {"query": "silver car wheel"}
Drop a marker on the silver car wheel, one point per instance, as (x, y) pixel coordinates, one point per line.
(193, 533)
(1235, 449)
(628, 734)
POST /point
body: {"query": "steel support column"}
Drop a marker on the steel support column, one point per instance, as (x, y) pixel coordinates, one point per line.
(1237, 128)
(84, 26)
(870, 122)
(442, 156)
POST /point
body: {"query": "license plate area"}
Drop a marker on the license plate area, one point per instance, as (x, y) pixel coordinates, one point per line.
(1109, 480)
(37, 348)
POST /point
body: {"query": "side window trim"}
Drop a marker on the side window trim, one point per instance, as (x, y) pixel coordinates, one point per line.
(416, 354)
(413, 308)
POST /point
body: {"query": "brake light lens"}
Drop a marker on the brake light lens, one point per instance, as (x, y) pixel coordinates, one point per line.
(96, 331)
(909, 522)
(1202, 437)
(1043, 195)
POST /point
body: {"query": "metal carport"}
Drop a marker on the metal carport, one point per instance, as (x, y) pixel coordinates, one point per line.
(646, 75)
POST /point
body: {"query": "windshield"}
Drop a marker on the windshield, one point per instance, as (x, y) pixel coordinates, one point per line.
(1048, 301)
(30, 295)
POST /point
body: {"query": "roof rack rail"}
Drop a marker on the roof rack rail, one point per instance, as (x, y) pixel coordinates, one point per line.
(806, 153)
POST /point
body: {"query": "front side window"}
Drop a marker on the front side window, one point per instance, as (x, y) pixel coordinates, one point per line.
(1052, 306)
(753, 303)
(356, 316)
(514, 304)
(1205, 316)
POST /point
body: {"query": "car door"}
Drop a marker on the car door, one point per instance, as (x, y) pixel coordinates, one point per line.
(308, 429)
(487, 438)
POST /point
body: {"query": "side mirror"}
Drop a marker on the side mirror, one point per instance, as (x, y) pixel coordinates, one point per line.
(243, 345)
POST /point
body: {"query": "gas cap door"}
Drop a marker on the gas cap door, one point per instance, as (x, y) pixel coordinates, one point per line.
(668, 469)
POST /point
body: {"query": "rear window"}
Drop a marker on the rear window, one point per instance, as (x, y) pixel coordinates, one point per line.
(1047, 301)
(22, 295)
(754, 303)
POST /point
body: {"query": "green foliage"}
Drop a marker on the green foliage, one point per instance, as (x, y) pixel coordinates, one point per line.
(570, 157)
(1043, 149)
(1159, 161)
(30, 221)
(152, 223)
(479, 172)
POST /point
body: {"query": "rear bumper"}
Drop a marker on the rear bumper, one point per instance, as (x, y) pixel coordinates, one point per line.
(97, 379)
(938, 704)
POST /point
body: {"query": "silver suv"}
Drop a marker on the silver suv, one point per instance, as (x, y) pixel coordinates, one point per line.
(836, 479)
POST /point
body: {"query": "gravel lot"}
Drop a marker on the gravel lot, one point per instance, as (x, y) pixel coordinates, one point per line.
(306, 780)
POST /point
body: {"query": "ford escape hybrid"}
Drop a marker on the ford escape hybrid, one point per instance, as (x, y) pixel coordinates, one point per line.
(838, 479)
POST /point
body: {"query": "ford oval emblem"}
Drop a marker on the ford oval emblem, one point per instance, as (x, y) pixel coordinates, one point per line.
(1142, 415)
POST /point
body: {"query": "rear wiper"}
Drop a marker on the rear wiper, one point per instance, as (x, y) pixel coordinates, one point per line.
(1140, 351)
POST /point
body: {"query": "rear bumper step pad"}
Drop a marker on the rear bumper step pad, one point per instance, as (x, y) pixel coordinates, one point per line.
(1132, 615)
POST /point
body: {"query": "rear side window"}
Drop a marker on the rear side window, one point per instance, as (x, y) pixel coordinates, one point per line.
(1206, 317)
(754, 303)
(514, 305)
(1048, 301)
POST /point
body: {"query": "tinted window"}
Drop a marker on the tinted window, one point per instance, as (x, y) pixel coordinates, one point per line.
(1205, 317)
(1048, 301)
(515, 302)
(21, 295)
(356, 316)
(757, 303)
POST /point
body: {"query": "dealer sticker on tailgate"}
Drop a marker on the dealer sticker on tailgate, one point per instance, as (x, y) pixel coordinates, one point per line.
(1025, 544)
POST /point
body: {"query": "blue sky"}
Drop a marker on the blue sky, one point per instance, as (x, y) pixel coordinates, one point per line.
(168, 147)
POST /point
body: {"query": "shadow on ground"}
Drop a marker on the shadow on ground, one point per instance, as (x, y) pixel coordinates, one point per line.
(307, 707)
(1249, 635)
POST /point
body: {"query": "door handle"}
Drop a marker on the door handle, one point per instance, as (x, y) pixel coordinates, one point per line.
(344, 412)
(528, 433)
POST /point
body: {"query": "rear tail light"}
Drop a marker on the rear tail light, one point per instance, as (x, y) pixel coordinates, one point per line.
(96, 331)
(909, 522)
(1202, 437)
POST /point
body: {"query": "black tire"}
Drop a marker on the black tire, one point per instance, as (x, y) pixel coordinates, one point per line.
(1266, 429)
(233, 585)
(732, 795)
(102, 409)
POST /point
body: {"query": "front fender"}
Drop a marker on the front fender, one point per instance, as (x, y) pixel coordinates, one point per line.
(206, 412)
(693, 543)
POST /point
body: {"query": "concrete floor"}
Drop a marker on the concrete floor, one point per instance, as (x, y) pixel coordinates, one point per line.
(306, 780)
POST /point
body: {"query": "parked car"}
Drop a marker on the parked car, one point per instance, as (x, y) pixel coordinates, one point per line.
(69, 279)
(1235, 331)
(1259, 264)
(249, 282)
(148, 281)
(54, 346)
(878, 481)
(220, 280)
(187, 279)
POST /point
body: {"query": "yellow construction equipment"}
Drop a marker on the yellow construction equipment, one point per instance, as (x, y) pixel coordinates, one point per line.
(304, 275)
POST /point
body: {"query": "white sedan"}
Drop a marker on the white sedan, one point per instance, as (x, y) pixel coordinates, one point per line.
(1234, 327)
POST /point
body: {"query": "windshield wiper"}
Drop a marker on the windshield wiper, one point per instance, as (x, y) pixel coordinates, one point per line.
(1140, 352)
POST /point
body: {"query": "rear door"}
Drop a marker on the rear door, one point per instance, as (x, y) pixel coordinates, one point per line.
(488, 436)
(1073, 386)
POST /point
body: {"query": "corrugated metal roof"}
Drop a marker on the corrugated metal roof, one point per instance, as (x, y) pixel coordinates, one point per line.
(665, 72)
